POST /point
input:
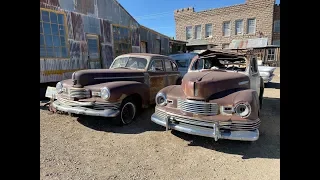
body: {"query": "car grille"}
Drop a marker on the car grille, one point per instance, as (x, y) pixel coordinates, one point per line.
(105, 105)
(63, 98)
(79, 93)
(230, 125)
(198, 107)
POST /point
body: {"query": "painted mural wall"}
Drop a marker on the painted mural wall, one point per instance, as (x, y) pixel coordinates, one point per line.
(87, 34)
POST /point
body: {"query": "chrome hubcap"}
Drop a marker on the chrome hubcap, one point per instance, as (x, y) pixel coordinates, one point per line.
(128, 112)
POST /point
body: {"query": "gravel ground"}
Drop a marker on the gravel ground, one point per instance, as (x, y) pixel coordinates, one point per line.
(91, 148)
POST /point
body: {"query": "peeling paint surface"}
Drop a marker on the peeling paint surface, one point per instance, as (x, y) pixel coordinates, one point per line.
(96, 17)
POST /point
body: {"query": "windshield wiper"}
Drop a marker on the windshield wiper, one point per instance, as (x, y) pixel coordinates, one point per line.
(121, 68)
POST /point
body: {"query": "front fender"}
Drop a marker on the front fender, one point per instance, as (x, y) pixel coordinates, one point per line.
(122, 89)
(248, 95)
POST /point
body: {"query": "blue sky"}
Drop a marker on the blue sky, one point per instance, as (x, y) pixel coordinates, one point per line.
(158, 14)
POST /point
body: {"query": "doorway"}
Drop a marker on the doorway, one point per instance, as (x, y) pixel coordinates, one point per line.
(94, 60)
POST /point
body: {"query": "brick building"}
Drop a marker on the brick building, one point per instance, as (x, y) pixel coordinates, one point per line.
(253, 19)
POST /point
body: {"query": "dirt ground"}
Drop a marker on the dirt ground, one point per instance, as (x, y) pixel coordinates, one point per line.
(91, 148)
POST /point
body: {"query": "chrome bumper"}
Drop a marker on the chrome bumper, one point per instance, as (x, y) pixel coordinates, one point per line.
(207, 132)
(267, 79)
(85, 111)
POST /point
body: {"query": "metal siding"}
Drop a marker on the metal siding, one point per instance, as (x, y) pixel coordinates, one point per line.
(97, 17)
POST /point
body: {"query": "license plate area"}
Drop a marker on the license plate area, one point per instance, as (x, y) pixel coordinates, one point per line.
(51, 92)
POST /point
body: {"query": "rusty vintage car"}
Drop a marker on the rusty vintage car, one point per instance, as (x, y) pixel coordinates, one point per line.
(131, 83)
(220, 97)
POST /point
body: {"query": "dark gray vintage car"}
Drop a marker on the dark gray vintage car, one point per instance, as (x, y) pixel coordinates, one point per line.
(130, 84)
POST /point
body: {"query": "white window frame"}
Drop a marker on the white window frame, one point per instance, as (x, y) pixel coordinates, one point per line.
(206, 30)
(188, 27)
(236, 28)
(276, 26)
(224, 30)
(248, 26)
(271, 56)
(195, 32)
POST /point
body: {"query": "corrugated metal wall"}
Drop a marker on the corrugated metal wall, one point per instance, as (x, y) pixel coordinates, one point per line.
(95, 17)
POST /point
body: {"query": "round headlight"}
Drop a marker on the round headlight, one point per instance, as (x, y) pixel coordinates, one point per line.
(59, 87)
(161, 99)
(243, 109)
(105, 93)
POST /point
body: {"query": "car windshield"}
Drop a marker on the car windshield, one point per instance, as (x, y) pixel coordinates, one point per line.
(182, 60)
(225, 64)
(129, 63)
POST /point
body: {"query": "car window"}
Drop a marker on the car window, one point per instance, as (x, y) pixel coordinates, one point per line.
(175, 68)
(168, 65)
(129, 62)
(156, 65)
(198, 65)
(183, 60)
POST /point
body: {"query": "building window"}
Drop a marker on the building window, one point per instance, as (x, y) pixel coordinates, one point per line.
(197, 33)
(121, 40)
(276, 26)
(225, 46)
(270, 55)
(208, 30)
(53, 38)
(239, 27)
(251, 26)
(226, 28)
(276, 42)
(188, 32)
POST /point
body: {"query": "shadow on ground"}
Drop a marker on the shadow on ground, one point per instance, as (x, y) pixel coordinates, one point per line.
(267, 146)
(142, 124)
(273, 85)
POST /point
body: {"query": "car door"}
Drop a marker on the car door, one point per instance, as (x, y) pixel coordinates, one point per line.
(157, 77)
(171, 74)
(254, 75)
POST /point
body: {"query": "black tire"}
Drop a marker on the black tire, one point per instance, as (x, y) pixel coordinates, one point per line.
(128, 112)
(179, 81)
(261, 93)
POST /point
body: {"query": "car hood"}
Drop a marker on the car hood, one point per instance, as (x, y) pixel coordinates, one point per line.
(201, 85)
(96, 76)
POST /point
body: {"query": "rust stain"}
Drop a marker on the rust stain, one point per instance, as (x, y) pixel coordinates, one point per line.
(156, 84)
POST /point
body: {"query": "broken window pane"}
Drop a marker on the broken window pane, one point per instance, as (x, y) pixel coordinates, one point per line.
(61, 29)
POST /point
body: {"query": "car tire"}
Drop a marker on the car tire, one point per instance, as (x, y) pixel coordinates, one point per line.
(179, 81)
(128, 112)
(261, 93)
